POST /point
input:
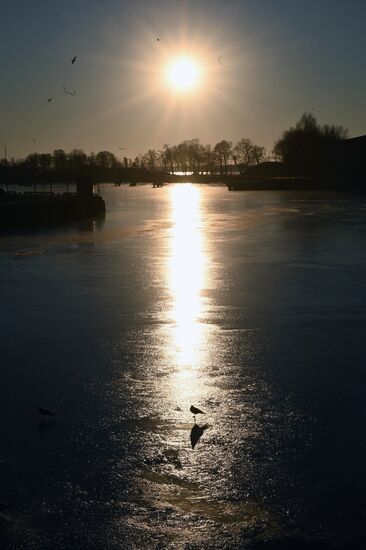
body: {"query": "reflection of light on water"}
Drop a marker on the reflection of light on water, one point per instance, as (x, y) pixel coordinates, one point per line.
(186, 277)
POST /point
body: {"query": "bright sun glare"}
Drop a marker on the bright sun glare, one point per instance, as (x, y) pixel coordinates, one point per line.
(183, 74)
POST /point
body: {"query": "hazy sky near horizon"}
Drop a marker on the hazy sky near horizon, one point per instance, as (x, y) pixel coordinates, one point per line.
(278, 59)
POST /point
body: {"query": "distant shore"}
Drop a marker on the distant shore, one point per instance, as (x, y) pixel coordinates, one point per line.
(260, 183)
(298, 184)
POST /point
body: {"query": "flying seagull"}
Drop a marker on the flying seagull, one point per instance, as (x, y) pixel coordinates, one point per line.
(45, 412)
(68, 92)
(73, 60)
(195, 411)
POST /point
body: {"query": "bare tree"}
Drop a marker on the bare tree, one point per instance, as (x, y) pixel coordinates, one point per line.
(105, 159)
(77, 159)
(223, 149)
(247, 154)
(167, 158)
(150, 159)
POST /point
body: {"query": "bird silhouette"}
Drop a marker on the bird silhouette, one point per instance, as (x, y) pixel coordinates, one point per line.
(73, 60)
(45, 412)
(196, 433)
(219, 59)
(195, 411)
(49, 100)
(68, 92)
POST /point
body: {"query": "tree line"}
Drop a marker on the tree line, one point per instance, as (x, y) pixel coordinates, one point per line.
(189, 156)
(305, 149)
(194, 157)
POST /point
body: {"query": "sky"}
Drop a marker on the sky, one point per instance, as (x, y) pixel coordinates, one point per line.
(262, 64)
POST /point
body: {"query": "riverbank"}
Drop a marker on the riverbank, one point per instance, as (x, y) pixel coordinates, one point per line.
(297, 184)
(237, 182)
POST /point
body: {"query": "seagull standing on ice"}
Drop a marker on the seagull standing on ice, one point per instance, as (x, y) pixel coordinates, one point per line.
(195, 411)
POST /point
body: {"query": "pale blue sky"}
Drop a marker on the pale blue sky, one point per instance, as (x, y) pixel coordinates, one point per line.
(280, 58)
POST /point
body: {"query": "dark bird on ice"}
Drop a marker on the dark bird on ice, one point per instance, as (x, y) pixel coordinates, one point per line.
(73, 60)
(195, 411)
(45, 412)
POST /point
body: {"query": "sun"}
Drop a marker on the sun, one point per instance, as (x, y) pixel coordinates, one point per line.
(183, 74)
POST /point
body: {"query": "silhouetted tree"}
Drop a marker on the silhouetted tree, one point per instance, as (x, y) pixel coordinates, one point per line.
(45, 162)
(105, 159)
(78, 160)
(150, 160)
(308, 148)
(136, 163)
(195, 154)
(167, 158)
(223, 150)
(247, 154)
(60, 160)
(209, 160)
(180, 158)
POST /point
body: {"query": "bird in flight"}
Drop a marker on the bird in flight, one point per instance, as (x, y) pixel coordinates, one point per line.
(68, 92)
(33, 139)
(195, 411)
(49, 100)
(73, 60)
(219, 59)
(45, 412)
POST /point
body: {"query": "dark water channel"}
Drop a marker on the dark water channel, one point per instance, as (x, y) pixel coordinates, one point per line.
(250, 306)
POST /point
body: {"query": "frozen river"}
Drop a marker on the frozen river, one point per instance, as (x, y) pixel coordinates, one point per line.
(250, 306)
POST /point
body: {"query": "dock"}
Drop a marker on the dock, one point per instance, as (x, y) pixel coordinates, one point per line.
(33, 209)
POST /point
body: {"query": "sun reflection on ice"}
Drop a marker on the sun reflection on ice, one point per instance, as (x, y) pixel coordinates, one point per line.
(186, 272)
